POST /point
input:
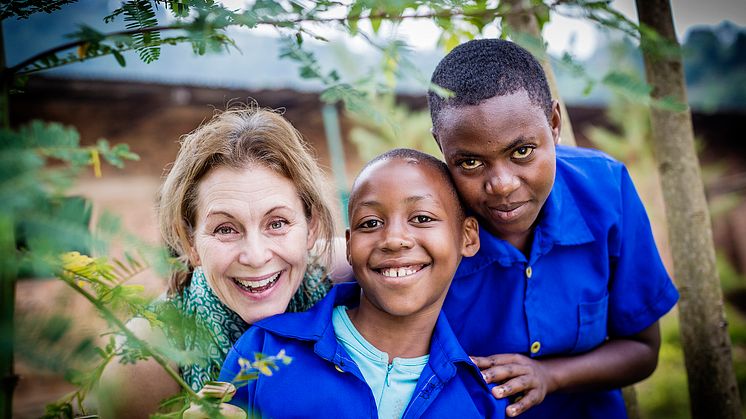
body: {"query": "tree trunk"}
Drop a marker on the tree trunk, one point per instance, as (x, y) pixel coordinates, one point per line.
(8, 271)
(704, 334)
(526, 23)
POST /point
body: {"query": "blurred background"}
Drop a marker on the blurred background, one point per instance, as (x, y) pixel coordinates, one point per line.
(150, 106)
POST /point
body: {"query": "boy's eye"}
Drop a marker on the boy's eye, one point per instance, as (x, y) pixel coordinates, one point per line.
(522, 152)
(469, 164)
(422, 219)
(370, 223)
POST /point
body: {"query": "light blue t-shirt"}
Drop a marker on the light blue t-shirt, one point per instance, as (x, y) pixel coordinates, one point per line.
(392, 384)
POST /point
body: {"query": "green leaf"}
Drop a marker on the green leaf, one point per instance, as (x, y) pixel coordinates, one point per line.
(627, 85)
(119, 57)
(375, 22)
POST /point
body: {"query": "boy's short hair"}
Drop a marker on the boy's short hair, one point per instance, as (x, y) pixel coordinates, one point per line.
(414, 157)
(484, 68)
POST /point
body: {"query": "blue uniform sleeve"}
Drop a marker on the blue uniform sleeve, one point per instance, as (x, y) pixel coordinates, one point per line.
(640, 290)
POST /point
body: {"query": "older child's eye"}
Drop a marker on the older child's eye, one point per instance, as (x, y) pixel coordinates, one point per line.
(370, 223)
(422, 219)
(469, 164)
(522, 152)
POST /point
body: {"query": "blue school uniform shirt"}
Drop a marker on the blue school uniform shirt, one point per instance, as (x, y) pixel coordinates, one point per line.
(593, 272)
(322, 381)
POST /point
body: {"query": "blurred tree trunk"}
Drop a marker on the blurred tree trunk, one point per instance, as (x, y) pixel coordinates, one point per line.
(8, 273)
(704, 334)
(526, 22)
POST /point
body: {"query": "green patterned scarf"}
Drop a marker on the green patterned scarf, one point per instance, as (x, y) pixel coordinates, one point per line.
(224, 326)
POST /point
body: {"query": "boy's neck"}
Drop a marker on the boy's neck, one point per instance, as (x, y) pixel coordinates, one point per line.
(398, 336)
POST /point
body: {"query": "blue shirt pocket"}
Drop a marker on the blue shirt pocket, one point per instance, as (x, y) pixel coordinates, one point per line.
(592, 324)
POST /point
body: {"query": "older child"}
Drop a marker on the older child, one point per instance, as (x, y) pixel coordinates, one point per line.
(379, 348)
(563, 299)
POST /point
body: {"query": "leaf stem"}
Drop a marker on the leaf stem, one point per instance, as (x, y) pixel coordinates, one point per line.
(131, 336)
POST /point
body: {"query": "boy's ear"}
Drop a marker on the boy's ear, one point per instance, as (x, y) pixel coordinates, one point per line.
(556, 121)
(470, 237)
(347, 241)
(437, 141)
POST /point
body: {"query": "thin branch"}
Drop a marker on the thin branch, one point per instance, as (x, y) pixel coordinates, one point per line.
(131, 336)
(10, 71)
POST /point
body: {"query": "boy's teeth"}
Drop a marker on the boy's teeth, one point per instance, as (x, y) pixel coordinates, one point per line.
(258, 284)
(398, 272)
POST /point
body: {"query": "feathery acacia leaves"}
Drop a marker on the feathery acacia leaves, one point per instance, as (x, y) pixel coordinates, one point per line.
(140, 15)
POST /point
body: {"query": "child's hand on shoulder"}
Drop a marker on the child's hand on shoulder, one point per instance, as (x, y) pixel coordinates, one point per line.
(517, 375)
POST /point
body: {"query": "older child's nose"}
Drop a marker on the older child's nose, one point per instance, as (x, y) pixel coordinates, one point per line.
(501, 182)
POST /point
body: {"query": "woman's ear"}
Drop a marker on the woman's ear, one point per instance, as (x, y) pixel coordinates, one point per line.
(313, 232)
(347, 243)
(193, 255)
(470, 237)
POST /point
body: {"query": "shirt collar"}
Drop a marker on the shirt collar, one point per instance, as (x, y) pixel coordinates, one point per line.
(316, 325)
(560, 222)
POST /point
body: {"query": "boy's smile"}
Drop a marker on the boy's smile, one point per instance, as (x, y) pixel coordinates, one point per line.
(502, 159)
(406, 236)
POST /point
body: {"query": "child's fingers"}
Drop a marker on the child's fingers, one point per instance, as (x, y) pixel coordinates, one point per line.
(504, 372)
(522, 404)
(517, 385)
(490, 361)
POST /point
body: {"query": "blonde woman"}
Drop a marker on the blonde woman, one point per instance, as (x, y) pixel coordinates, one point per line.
(242, 207)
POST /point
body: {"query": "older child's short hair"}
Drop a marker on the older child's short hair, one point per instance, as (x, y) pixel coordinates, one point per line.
(415, 157)
(484, 68)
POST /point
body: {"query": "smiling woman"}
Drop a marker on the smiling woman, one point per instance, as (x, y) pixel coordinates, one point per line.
(242, 208)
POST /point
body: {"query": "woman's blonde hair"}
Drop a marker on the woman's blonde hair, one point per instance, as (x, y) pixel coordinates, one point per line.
(237, 137)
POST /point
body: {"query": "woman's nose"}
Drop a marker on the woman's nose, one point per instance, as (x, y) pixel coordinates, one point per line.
(254, 251)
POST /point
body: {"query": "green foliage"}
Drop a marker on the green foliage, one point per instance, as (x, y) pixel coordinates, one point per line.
(22, 9)
(139, 15)
(399, 127)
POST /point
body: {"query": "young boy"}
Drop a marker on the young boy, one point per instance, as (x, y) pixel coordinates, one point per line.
(379, 347)
(563, 299)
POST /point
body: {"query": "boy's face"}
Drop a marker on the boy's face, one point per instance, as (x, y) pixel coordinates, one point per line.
(501, 154)
(406, 238)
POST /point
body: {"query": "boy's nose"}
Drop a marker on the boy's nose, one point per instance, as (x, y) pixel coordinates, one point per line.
(397, 237)
(501, 183)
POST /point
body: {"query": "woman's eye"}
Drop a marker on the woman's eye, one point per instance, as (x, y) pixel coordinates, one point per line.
(370, 224)
(422, 219)
(277, 224)
(522, 152)
(470, 164)
(224, 230)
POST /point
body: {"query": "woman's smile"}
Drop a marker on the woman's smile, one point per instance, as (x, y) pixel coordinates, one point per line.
(257, 285)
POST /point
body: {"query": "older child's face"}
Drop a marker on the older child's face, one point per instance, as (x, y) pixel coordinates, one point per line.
(405, 238)
(502, 158)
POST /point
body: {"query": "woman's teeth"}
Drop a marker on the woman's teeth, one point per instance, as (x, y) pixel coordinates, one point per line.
(257, 286)
(399, 272)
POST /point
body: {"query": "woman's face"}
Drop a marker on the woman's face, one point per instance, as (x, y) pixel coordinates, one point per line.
(251, 238)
